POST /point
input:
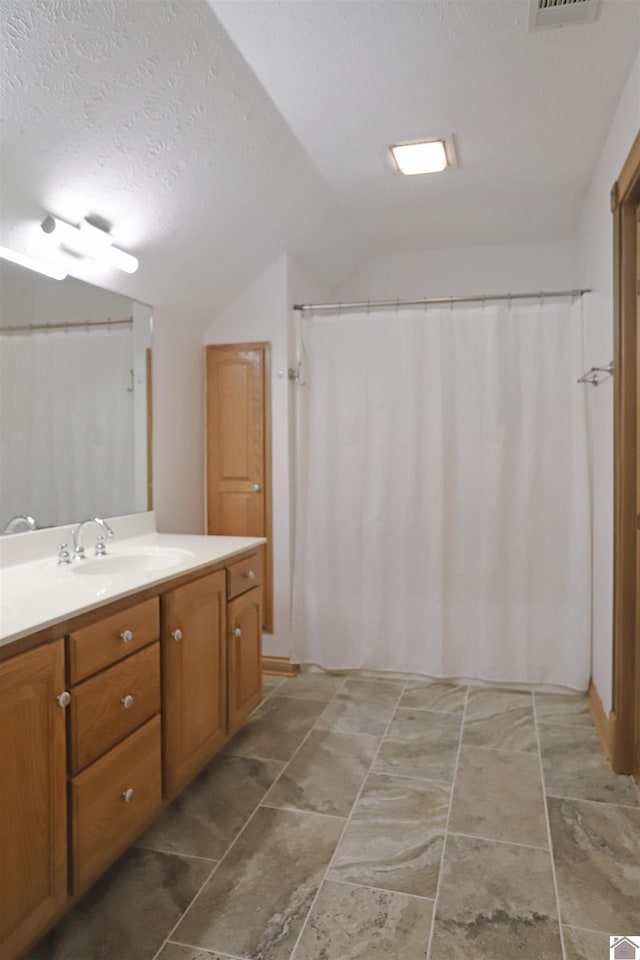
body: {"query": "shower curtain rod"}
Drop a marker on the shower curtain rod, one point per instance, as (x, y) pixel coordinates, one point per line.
(37, 327)
(424, 301)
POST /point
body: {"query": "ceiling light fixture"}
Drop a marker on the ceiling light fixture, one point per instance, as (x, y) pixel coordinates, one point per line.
(52, 270)
(425, 156)
(89, 241)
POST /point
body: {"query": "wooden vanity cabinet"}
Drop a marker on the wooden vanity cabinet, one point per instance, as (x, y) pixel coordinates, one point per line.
(155, 688)
(33, 810)
(194, 669)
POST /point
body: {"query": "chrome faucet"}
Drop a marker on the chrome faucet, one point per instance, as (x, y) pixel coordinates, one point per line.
(16, 521)
(76, 533)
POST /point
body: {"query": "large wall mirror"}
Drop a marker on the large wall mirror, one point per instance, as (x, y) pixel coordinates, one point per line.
(75, 401)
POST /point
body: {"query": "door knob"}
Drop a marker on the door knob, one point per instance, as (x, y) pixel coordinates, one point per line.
(64, 698)
(127, 701)
(237, 632)
(256, 488)
(128, 795)
(176, 634)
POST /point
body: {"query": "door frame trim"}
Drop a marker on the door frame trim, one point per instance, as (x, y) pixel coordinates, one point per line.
(625, 196)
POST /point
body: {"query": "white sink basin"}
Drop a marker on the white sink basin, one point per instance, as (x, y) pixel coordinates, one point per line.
(142, 560)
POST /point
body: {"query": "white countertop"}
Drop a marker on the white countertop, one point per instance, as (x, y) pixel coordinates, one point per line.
(39, 593)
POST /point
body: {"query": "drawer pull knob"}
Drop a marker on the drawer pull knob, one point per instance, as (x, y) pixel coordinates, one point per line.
(256, 488)
(250, 575)
(128, 795)
(176, 634)
(126, 636)
(237, 632)
(64, 698)
(127, 701)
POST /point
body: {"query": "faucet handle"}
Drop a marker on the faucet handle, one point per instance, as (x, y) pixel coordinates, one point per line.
(101, 549)
(63, 554)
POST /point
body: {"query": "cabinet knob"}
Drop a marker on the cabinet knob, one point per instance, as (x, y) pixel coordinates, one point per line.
(126, 636)
(237, 632)
(250, 575)
(128, 795)
(176, 634)
(256, 488)
(127, 701)
(64, 698)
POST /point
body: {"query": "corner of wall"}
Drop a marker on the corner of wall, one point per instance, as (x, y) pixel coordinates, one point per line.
(178, 423)
(593, 243)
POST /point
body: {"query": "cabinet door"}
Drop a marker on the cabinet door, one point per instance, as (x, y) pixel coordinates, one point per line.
(244, 621)
(33, 816)
(194, 677)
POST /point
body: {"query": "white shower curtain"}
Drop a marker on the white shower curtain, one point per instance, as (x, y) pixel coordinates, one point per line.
(66, 430)
(443, 498)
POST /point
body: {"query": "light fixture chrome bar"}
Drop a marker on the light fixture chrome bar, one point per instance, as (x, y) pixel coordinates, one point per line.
(88, 240)
(46, 268)
(442, 301)
(67, 327)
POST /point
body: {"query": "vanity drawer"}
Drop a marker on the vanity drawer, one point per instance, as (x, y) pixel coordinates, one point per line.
(110, 705)
(93, 648)
(244, 574)
(113, 800)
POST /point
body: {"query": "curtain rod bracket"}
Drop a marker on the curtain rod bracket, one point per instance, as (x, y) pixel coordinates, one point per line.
(294, 375)
(593, 374)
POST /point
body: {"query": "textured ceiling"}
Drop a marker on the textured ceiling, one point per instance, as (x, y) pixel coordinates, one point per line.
(214, 137)
(529, 111)
(145, 114)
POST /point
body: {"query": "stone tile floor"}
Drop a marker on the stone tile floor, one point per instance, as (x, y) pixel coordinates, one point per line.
(381, 820)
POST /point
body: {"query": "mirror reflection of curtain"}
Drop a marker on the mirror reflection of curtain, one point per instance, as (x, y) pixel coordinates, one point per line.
(66, 429)
(443, 503)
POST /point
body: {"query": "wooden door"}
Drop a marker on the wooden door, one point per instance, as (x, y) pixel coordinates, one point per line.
(624, 719)
(33, 815)
(244, 656)
(194, 677)
(239, 449)
(636, 738)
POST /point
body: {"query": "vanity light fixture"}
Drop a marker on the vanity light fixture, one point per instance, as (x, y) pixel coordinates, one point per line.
(89, 241)
(52, 270)
(424, 156)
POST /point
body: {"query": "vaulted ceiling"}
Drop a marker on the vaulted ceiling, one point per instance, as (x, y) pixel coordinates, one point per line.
(214, 136)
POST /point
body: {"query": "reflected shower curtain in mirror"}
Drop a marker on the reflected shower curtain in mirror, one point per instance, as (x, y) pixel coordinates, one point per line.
(66, 429)
(443, 496)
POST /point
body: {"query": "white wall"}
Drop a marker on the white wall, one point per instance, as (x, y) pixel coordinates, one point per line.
(260, 314)
(178, 422)
(519, 268)
(594, 265)
(302, 287)
(263, 313)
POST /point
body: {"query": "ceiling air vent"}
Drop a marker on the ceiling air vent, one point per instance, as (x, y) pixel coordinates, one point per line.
(561, 13)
